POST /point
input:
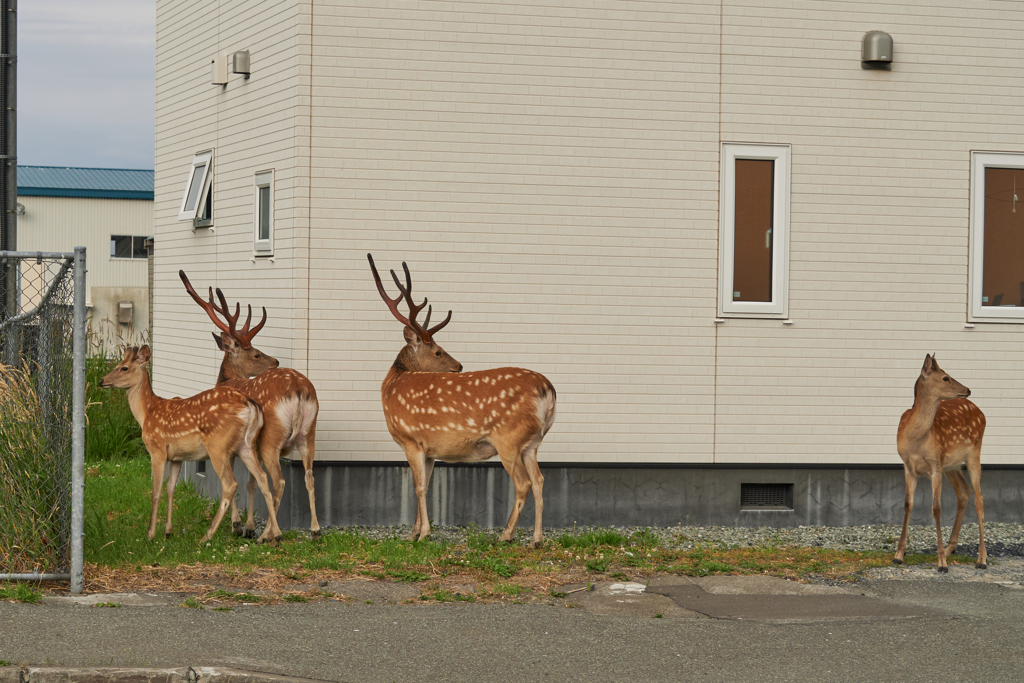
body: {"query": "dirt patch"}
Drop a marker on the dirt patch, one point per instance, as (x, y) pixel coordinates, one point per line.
(209, 584)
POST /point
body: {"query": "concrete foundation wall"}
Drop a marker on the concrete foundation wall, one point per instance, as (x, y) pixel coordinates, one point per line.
(382, 494)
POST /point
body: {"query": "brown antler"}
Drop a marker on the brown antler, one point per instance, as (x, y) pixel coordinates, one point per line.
(208, 306)
(425, 332)
(243, 337)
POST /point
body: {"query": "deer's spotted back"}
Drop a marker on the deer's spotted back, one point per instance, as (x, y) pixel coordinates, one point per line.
(469, 404)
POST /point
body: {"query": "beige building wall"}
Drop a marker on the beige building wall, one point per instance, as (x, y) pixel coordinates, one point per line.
(550, 172)
(253, 125)
(59, 224)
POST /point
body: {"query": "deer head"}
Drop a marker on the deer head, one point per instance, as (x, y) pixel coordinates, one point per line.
(244, 359)
(935, 382)
(421, 352)
(126, 373)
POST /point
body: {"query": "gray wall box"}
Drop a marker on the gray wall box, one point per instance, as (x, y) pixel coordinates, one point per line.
(382, 494)
(876, 50)
(240, 62)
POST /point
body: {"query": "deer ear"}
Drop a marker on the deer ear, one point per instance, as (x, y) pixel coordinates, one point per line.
(216, 338)
(144, 354)
(929, 364)
(411, 338)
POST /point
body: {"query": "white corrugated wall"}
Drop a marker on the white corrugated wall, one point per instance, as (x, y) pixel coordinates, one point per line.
(550, 172)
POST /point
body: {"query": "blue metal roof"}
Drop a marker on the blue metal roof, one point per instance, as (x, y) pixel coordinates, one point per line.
(109, 183)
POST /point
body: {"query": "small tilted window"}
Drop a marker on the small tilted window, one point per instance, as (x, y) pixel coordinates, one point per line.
(197, 201)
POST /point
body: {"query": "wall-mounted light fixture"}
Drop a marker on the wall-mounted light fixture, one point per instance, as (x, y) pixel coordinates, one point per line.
(876, 51)
(219, 75)
(240, 63)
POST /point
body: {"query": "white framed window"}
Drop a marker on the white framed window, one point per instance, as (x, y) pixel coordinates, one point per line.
(996, 283)
(263, 213)
(754, 231)
(197, 200)
(128, 247)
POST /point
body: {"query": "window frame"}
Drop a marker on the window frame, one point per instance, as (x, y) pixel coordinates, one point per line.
(204, 159)
(779, 306)
(263, 247)
(133, 257)
(976, 312)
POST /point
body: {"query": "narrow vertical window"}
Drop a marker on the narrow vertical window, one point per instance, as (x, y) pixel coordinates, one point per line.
(997, 237)
(754, 253)
(198, 189)
(263, 213)
(752, 249)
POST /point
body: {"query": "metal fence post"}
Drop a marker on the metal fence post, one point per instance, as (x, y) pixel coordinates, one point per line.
(78, 427)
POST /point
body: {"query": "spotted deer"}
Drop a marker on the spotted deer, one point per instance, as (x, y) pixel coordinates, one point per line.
(940, 432)
(216, 424)
(287, 397)
(434, 411)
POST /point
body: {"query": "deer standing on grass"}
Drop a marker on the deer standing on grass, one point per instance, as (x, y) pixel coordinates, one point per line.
(435, 414)
(287, 397)
(215, 424)
(936, 436)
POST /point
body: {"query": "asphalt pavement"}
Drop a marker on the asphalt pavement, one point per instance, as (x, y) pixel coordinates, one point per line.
(903, 624)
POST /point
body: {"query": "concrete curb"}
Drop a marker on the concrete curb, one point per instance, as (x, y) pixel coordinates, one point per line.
(188, 674)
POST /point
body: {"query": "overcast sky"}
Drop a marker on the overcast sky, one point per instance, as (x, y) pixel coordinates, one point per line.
(86, 83)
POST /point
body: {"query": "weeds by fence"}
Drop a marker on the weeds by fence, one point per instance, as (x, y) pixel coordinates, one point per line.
(42, 323)
(34, 509)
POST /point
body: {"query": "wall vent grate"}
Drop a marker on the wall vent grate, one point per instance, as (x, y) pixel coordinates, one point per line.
(766, 496)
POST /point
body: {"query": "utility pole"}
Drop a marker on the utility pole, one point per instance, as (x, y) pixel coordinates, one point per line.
(8, 153)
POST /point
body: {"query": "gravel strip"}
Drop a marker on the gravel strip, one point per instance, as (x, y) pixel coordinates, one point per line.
(1001, 539)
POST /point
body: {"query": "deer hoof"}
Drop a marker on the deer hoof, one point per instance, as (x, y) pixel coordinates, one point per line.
(897, 560)
(167, 534)
(249, 533)
(981, 565)
(236, 528)
(537, 544)
(943, 570)
(315, 535)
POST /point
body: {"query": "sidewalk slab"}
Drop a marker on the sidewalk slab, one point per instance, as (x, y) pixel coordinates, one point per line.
(772, 599)
(120, 599)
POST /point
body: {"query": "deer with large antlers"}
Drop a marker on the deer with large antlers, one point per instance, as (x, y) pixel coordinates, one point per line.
(940, 432)
(287, 397)
(216, 424)
(435, 414)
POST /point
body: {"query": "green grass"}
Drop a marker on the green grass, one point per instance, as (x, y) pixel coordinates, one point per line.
(19, 591)
(117, 504)
(112, 433)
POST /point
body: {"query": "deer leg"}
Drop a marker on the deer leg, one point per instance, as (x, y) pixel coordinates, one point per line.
(157, 458)
(417, 465)
(517, 471)
(908, 507)
(228, 488)
(272, 533)
(172, 482)
(428, 472)
(956, 478)
(270, 456)
(307, 448)
(940, 550)
(537, 483)
(974, 469)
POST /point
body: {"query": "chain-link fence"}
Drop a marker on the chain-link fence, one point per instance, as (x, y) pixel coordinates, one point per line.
(42, 382)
